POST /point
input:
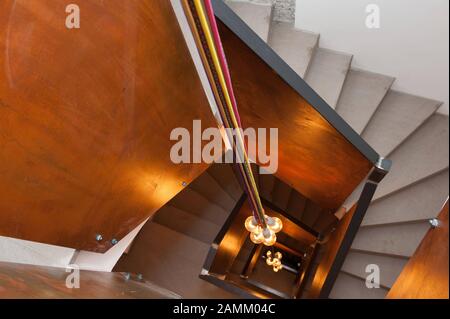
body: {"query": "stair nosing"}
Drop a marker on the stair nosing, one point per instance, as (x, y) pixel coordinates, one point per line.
(405, 222)
(393, 79)
(220, 187)
(224, 213)
(378, 253)
(392, 193)
(424, 121)
(209, 223)
(363, 279)
(350, 56)
(215, 179)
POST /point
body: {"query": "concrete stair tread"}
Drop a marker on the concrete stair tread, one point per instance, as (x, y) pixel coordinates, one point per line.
(224, 175)
(420, 201)
(295, 47)
(14, 250)
(390, 267)
(207, 186)
(191, 201)
(361, 95)
(327, 73)
(256, 16)
(351, 287)
(399, 115)
(171, 260)
(392, 239)
(423, 154)
(187, 224)
(282, 281)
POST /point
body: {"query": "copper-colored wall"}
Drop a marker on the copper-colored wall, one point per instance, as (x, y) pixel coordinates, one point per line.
(27, 281)
(85, 118)
(425, 276)
(314, 157)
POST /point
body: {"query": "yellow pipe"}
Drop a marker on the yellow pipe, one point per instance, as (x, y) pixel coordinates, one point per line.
(210, 42)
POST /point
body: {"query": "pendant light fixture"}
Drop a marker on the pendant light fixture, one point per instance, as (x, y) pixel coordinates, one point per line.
(260, 235)
(274, 261)
(262, 228)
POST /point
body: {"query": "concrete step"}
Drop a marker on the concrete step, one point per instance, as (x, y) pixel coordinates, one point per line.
(13, 250)
(256, 16)
(361, 95)
(171, 260)
(266, 185)
(398, 116)
(207, 186)
(327, 72)
(282, 281)
(186, 223)
(420, 201)
(351, 287)
(295, 47)
(194, 203)
(297, 204)
(225, 177)
(391, 239)
(281, 194)
(390, 267)
(424, 153)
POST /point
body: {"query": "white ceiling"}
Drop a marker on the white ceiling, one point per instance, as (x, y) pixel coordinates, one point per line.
(411, 44)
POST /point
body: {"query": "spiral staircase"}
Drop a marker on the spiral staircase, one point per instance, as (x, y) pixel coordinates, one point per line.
(172, 246)
(403, 127)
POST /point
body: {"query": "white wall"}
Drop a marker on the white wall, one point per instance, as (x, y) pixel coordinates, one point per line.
(106, 262)
(28, 252)
(411, 43)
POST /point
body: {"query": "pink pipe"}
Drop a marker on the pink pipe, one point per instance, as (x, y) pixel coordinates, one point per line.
(226, 71)
(222, 57)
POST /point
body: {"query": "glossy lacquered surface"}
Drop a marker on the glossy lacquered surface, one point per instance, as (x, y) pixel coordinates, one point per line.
(29, 282)
(425, 276)
(313, 157)
(86, 115)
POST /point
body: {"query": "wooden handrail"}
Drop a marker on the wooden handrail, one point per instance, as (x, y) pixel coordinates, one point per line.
(425, 276)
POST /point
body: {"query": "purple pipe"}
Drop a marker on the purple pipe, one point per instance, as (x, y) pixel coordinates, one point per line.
(226, 71)
(222, 57)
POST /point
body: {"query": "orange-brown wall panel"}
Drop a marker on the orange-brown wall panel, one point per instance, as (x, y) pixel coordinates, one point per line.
(314, 157)
(425, 276)
(85, 118)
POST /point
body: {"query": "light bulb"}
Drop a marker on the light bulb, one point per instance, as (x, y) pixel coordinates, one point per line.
(269, 241)
(251, 224)
(267, 233)
(278, 255)
(274, 223)
(257, 238)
